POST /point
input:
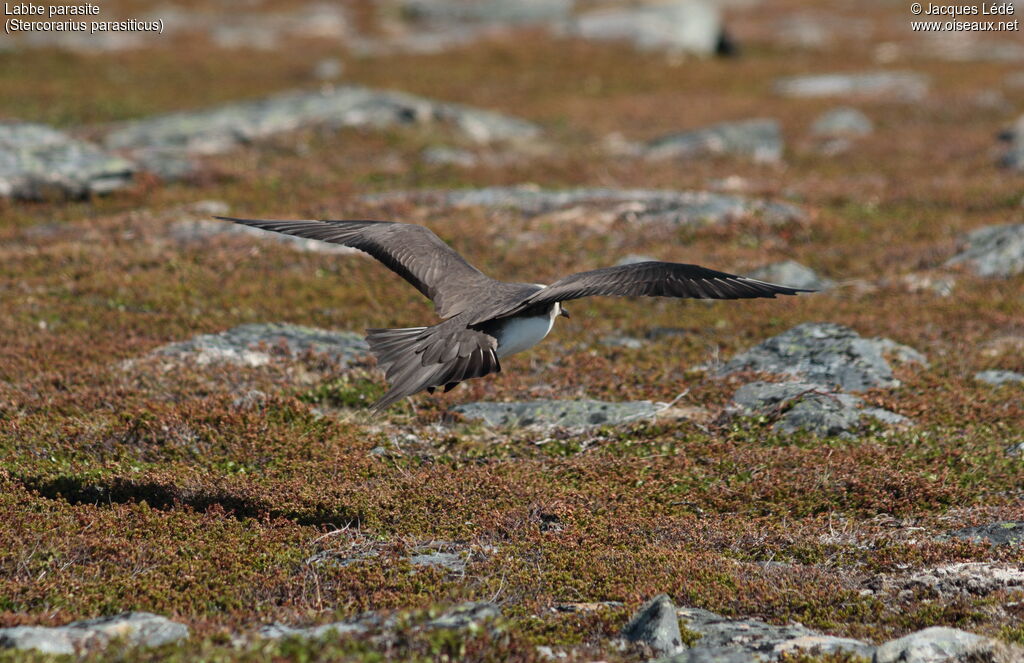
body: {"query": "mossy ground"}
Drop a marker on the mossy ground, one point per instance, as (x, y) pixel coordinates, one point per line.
(123, 490)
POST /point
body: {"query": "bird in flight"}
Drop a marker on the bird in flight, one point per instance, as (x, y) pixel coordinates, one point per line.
(485, 320)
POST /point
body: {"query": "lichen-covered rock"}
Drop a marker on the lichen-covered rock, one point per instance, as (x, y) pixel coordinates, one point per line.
(826, 354)
(994, 251)
(137, 629)
(998, 534)
(809, 407)
(758, 139)
(958, 579)
(748, 640)
(655, 206)
(938, 644)
(550, 413)
(656, 625)
(226, 127)
(895, 85)
(999, 377)
(256, 344)
(682, 26)
(793, 274)
(37, 163)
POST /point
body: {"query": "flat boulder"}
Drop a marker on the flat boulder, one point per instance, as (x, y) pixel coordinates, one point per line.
(656, 206)
(552, 413)
(759, 140)
(826, 354)
(993, 251)
(809, 407)
(726, 640)
(137, 629)
(257, 344)
(38, 162)
(680, 26)
(793, 274)
(998, 534)
(893, 85)
(224, 128)
(939, 644)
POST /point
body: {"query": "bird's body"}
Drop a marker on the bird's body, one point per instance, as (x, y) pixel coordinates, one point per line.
(484, 320)
(523, 331)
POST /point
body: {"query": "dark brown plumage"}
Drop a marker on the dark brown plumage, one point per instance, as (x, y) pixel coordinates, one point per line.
(485, 319)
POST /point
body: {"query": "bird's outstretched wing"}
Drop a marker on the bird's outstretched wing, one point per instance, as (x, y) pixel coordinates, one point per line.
(657, 279)
(413, 252)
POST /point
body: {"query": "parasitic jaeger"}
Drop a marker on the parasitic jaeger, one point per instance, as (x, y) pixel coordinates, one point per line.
(484, 320)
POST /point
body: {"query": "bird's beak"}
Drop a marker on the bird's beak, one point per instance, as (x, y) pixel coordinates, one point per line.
(562, 312)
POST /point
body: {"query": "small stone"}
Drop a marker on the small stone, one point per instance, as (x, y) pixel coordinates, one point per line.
(844, 122)
(657, 626)
(442, 560)
(999, 377)
(793, 274)
(895, 85)
(449, 156)
(758, 139)
(328, 69)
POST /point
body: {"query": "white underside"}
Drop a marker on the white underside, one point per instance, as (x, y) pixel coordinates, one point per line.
(523, 333)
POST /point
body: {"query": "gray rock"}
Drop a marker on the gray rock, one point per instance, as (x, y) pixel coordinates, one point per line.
(998, 534)
(748, 640)
(138, 629)
(842, 122)
(449, 156)
(241, 345)
(826, 354)
(937, 644)
(627, 342)
(354, 626)
(895, 85)
(656, 625)
(37, 162)
(200, 230)
(809, 407)
(682, 26)
(996, 251)
(758, 139)
(999, 377)
(959, 579)
(793, 274)
(224, 128)
(550, 413)
(442, 560)
(505, 12)
(466, 616)
(697, 208)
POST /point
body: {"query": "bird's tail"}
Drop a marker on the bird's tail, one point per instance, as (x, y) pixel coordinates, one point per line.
(390, 346)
